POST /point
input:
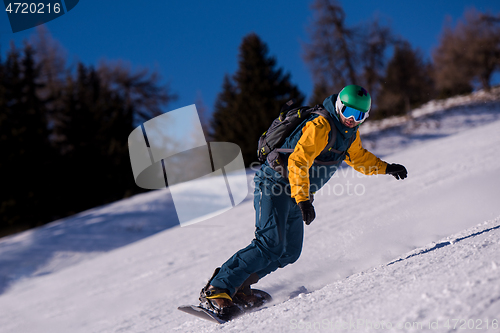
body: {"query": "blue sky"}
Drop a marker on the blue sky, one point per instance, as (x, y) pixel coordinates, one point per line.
(194, 43)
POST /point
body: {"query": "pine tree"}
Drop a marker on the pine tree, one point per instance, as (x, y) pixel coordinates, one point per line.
(51, 58)
(332, 54)
(252, 98)
(406, 84)
(26, 150)
(339, 55)
(8, 214)
(92, 128)
(64, 140)
(373, 57)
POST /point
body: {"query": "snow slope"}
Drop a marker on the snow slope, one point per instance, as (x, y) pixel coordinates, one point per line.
(128, 279)
(454, 283)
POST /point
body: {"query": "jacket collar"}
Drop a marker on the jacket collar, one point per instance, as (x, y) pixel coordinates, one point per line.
(329, 105)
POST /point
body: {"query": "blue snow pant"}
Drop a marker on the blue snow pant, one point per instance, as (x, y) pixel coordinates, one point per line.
(279, 232)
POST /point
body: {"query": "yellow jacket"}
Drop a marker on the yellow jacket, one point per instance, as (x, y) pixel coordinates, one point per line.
(313, 140)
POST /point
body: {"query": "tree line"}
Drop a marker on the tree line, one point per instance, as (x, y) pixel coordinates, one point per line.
(64, 128)
(63, 133)
(397, 75)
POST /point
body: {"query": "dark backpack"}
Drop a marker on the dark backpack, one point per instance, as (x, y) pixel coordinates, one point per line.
(270, 142)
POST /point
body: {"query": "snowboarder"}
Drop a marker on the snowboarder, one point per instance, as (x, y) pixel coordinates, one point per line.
(282, 203)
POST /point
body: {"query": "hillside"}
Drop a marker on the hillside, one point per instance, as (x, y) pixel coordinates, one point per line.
(421, 250)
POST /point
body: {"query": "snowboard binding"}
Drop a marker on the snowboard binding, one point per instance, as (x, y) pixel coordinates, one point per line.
(218, 301)
(218, 306)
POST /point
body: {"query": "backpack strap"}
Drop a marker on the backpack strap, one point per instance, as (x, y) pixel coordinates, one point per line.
(318, 109)
(284, 150)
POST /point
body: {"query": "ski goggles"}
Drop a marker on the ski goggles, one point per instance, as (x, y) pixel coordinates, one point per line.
(356, 114)
(348, 112)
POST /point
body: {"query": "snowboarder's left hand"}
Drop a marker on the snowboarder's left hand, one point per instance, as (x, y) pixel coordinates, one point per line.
(307, 209)
(397, 170)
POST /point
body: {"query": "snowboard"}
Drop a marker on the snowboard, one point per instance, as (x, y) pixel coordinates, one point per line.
(202, 313)
(209, 315)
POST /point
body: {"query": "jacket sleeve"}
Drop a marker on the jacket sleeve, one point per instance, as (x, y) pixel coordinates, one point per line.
(362, 160)
(312, 142)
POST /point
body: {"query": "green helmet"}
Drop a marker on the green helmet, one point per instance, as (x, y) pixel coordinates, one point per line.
(356, 97)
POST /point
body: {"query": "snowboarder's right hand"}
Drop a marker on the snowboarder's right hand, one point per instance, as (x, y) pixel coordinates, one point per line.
(307, 209)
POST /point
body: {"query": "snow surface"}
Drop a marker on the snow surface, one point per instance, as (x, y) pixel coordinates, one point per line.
(381, 255)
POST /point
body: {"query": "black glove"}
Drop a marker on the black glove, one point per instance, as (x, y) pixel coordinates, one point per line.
(397, 170)
(307, 209)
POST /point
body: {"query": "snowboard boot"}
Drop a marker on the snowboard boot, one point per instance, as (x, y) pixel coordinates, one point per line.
(218, 300)
(244, 295)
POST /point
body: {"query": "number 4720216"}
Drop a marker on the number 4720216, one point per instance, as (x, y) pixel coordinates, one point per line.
(477, 324)
(33, 8)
